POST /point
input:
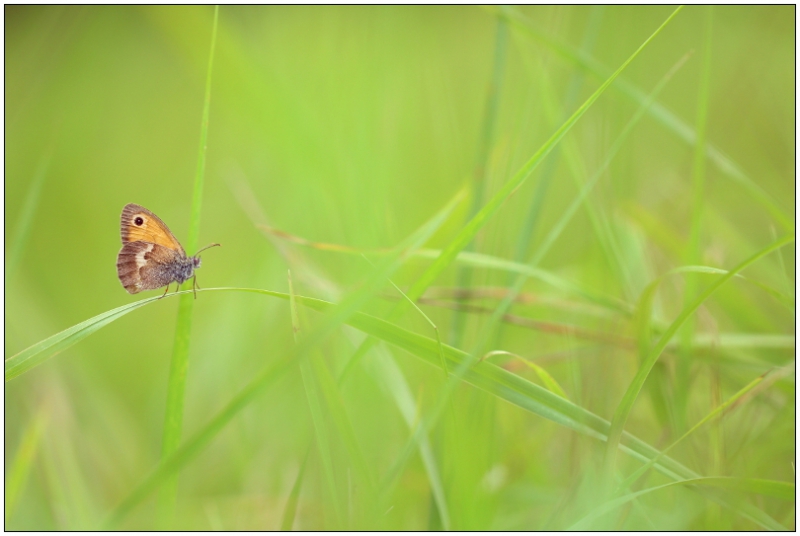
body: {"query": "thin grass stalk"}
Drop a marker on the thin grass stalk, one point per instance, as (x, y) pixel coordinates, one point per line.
(290, 510)
(551, 164)
(479, 172)
(323, 440)
(173, 420)
(692, 254)
(19, 468)
(20, 237)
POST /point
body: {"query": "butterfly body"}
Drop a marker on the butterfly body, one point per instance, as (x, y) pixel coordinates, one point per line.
(151, 257)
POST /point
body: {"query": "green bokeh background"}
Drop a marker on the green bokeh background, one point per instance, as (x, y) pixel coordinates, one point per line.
(353, 125)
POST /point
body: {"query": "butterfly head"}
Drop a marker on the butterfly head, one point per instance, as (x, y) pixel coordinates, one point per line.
(196, 258)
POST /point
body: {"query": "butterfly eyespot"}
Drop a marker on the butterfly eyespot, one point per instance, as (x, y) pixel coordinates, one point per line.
(139, 220)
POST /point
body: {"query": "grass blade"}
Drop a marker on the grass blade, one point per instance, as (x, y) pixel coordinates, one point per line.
(20, 467)
(649, 360)
(173, 419)
(317, 416)
(692, 251)
(484, 144)
(290, 510)
(47, 348)
(20, 238)
(549, 382)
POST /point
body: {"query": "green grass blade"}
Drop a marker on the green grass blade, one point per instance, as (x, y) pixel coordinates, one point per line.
(692, 253)
(344, 425)
(626, 405)
(535, 208)
(197, 442)
(290, 510)
(173, 419)
(20, 467)
(17, 242)
(386, 371)
(484, 145)
(549, 382)
(317, 416)
(47, 348)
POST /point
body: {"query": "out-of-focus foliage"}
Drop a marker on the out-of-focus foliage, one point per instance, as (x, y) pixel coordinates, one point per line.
(353, 126)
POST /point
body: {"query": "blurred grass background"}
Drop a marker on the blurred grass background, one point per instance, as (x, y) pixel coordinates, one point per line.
(353, 126)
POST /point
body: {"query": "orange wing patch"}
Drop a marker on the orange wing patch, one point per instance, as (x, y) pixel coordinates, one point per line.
(139, 224)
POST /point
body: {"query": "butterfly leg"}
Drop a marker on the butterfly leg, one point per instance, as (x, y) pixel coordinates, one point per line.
(165, 292)
(194, 286)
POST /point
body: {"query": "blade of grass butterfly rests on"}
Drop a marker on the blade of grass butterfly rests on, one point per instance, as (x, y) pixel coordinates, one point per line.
(657, 111)
(176, 388)
(468, 232)
(317, 416)
(20, 466)
(650, 358)
(762, 382)
(770, 488)
(567, 215)
(485, 376)
(47, 348)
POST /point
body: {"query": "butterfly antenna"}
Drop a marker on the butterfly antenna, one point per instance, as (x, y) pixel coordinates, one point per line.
(208, 246)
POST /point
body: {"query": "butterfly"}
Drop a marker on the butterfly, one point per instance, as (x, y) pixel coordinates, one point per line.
(151, 256)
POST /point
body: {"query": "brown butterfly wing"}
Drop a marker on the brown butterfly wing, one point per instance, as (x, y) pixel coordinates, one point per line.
(145, 265)
(139, 224)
